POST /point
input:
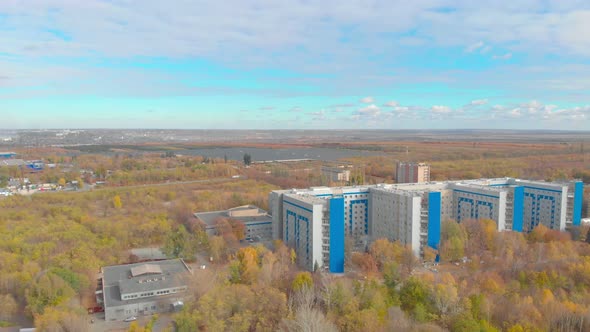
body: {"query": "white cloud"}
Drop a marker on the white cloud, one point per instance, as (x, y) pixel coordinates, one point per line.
(474, 47)
(535, 111)
(131, 28)
(319, 115)
(367, 100)
(440, 109)
(391, 103)
(515, 113)
(346, 105)
(371, 111)
(127, 29)
(506, 56)
(478, 102)
(574, 31)
(532, 107)
(575, 113)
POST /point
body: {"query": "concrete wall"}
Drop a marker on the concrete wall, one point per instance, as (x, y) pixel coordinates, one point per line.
(395, 216)
(148, 307)
(356, 212)
(303, 228)
(275, 207)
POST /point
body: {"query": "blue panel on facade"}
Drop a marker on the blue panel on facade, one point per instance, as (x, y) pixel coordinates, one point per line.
(433, 219)
(337, 235)
(578, 194)
(518, 209)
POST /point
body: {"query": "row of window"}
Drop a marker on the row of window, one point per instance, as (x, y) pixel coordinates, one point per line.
(162, 292)
(134, 296)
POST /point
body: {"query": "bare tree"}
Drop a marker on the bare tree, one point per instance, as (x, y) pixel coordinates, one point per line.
(307, 317)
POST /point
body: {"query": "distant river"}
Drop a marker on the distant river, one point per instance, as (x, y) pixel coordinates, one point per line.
(263, 154)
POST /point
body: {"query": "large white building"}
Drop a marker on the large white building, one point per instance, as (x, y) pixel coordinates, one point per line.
(315, 221)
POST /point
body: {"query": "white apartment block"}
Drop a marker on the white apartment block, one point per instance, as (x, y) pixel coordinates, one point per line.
(315, 221)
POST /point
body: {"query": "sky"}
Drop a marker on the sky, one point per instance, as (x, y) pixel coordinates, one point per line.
(295, 64)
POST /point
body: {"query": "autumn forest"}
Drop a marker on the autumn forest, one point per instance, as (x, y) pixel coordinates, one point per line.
(52, 245)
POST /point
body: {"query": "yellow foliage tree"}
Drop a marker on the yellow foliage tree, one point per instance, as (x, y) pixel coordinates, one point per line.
(248, 265)
(117, 204)
(302, 280)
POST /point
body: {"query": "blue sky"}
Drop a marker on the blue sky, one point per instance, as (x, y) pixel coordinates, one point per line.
(293, 64)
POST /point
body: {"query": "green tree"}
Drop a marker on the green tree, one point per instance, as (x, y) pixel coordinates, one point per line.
(465, 323)
(414, 296)
(453, 249)
(48, 290)
(247, 159)
(179, 244)
(187, 320)
(453, 241)
(72, 278)
(217, 247)
(391, 277)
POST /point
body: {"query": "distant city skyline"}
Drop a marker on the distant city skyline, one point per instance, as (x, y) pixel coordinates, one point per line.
(291, 64)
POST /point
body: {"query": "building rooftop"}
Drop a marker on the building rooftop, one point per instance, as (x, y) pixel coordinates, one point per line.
(142, 277)
(245, 214)
(145, 269)
(308, 198)
(412, 163)
(12, 162)
(8, 154)
(494, 185)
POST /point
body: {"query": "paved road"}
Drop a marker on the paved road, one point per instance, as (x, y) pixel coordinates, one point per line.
(174, 183)
(100, 325)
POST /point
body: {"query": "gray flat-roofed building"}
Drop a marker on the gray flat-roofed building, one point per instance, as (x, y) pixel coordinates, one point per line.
(258, 222)
(143, 288)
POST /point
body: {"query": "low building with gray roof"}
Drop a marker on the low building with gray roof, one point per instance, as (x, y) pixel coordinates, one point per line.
(258, 223)
(143, 288)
